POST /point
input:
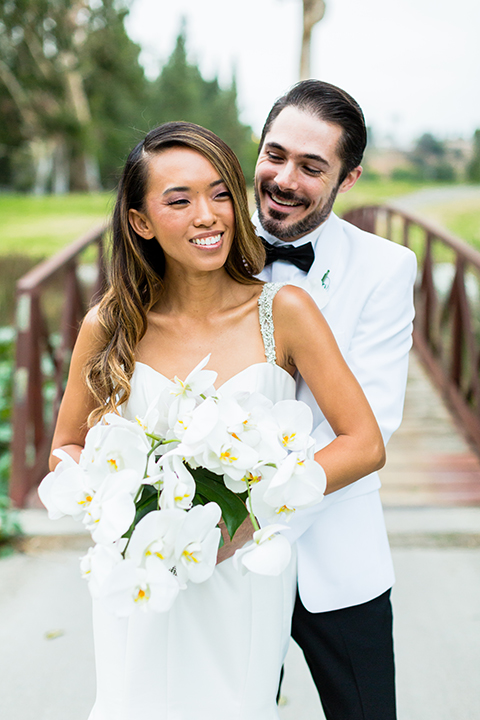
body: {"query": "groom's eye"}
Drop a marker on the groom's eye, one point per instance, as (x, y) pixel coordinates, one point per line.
(273, 157)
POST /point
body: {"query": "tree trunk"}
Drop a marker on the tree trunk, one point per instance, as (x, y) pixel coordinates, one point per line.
(42, 156)
(61, 168)
(313, 12)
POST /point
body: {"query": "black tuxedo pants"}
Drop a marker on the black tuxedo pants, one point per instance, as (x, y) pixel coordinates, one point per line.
(350, 655)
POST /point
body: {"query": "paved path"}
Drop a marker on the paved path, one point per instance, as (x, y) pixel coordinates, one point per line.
(431, 493)
(440, 195)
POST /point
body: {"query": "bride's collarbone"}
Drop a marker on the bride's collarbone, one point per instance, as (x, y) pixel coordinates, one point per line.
(174, 345)
(207, 316)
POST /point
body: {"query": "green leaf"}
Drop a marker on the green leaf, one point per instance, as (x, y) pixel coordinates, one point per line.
(147, 502)
(212, 488)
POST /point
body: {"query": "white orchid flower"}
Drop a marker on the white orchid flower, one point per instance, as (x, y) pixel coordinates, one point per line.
(179, 417)
(260, 473)
(199, 382)
(67, 490)
(111, 448)
(295, 421)
(197, 543)
(245, 415)
(155, 419)
(97, 564)
(233, 461)
(112, 509)
(129, 587)
(155, 536)
(204, 424)
(298, 483)
(177, 483)
(268, 554)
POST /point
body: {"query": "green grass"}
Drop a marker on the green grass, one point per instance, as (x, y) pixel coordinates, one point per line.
(461, 217)
(41, 226)
(374, 192)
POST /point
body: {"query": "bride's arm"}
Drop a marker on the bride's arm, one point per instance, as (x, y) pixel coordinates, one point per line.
(77, 403)
(305, 342)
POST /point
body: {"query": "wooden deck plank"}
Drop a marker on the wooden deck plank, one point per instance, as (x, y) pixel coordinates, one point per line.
(429, 463)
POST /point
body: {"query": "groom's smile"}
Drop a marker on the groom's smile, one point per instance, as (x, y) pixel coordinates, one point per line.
(281, 205)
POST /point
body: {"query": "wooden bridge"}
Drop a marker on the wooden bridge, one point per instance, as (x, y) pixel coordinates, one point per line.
(432, 460)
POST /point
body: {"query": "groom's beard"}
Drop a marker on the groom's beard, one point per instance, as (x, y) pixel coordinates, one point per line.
(275, 222)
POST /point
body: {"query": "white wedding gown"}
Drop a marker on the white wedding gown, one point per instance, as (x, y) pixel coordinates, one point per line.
(217, 654)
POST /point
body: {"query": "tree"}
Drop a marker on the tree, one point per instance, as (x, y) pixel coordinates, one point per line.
(473, 169)
(117, 90)
(41, 42)
(430, 158)
(181, 93)
(53, 69)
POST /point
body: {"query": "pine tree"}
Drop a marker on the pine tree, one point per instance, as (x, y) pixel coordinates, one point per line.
(181, 93)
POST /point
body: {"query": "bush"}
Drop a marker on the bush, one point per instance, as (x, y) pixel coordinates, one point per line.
(9, 525)
(8, 520)
(405, 174)
(7, 337)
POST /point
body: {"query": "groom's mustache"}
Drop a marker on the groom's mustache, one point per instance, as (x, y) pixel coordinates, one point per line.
(286, 195)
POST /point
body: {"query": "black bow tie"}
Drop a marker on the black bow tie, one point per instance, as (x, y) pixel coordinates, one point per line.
(301, 256)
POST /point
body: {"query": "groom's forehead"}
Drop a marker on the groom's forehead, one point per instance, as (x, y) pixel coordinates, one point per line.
(304, 134)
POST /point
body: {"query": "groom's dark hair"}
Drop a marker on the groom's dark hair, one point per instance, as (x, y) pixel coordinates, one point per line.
(333, 105)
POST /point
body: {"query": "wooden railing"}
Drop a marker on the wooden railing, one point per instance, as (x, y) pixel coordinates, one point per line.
(51, 301)
(446, 334)
(447, 323)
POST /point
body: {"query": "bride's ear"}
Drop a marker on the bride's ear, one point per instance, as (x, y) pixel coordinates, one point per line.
(140, 224)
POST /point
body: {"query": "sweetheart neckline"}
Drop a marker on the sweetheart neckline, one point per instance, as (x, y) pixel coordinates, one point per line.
(157, 372)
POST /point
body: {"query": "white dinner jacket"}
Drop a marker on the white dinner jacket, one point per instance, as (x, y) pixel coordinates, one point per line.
(367, 299)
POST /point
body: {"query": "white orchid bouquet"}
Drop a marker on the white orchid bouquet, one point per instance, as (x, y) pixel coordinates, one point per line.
(152, 491)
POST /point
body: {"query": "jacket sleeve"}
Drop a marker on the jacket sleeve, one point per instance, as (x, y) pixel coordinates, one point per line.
(378, 354)
(378, 357)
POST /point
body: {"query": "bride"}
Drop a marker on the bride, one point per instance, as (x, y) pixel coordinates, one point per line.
(182, 286)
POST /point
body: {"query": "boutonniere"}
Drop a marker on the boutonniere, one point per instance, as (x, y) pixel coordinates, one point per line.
(326, 280)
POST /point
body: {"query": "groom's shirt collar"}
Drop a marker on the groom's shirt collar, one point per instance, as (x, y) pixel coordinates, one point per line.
(282, 271)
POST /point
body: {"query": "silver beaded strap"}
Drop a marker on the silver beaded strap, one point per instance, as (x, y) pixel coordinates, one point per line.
(265, 314)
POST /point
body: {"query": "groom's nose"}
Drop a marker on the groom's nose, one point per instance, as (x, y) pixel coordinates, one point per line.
(286, 177)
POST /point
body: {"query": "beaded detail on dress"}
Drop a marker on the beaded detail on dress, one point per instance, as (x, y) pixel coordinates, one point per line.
(265, 302)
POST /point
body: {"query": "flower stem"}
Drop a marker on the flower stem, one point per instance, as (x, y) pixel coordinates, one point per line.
(253, 519)
(155, 445)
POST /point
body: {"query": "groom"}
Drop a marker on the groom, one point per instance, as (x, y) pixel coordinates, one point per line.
(311, 149)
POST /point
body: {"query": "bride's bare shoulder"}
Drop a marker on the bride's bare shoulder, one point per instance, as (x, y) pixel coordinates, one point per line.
(294, 303)
(91, 336)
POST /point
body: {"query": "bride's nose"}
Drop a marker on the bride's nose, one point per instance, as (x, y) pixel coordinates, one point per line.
(205, 215)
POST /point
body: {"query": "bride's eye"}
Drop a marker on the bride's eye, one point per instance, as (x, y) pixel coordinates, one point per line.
(179, 201)
(224, 195)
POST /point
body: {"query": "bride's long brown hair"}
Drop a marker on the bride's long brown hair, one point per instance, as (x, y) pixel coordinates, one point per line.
(137, 265)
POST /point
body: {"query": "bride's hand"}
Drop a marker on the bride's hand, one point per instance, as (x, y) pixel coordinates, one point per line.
(243, 535)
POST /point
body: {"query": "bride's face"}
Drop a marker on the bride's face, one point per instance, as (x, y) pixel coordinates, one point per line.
(188, 209)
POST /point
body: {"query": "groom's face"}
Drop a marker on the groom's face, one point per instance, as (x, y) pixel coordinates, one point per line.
(297, 174)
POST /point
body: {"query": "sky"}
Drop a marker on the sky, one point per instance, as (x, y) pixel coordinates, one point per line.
(414, 65)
